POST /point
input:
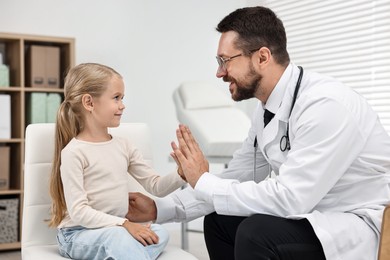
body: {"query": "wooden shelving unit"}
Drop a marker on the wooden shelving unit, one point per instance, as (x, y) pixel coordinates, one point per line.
(16, 48)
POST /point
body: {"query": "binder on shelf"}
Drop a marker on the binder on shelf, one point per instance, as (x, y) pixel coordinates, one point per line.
(53, 102)
(4, 167)
(43, 67)
(52, 67)
(5, 116)
(4, 73)
(36, 108)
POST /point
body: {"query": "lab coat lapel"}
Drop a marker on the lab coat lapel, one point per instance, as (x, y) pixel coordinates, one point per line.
(270, 132)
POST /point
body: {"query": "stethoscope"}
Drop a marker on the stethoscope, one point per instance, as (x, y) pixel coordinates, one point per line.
(285, 140)
(284, 144)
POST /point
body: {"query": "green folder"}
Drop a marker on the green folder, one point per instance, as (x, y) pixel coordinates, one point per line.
(53, 102)
(36, 108)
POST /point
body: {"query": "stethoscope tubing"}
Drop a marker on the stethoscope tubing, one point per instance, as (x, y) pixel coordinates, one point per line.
(285, 140)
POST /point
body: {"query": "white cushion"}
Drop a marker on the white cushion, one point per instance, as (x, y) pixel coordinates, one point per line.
(200, 95)
(173, 253)
(41, 252)
(50, 252)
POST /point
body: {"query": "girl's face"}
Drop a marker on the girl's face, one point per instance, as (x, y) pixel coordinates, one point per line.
(108, 108)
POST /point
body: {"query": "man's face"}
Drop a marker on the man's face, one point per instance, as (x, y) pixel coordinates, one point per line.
(244, 81)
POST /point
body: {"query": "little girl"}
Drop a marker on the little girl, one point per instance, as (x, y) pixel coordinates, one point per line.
(89, 178)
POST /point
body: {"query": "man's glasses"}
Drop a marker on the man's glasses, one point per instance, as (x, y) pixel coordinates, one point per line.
(222, 61)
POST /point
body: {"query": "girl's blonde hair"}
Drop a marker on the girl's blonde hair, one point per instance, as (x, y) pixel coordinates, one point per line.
(86, 78)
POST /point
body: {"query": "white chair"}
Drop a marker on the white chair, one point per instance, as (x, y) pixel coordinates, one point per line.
(38, 240)
(216, 123)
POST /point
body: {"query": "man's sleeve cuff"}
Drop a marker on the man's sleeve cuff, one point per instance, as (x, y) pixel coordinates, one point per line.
(165, 209)
(205, 187)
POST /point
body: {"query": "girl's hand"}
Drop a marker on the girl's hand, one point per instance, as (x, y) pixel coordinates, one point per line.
(141, 232)
(179, 168)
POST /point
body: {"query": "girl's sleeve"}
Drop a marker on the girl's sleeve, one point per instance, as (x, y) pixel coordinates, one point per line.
(152, 182)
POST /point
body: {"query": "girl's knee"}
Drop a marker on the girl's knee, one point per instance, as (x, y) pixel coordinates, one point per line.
(161, 232)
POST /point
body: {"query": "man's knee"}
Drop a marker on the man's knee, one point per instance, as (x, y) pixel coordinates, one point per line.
(252, 239)
(209, 221)
(250, 227)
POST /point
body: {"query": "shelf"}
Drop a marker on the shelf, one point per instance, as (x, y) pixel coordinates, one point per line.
(11, 141)
(51, 90)
(16, 48)
(10, 192)
(10, 89)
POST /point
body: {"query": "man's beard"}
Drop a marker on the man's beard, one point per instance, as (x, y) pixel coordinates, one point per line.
(245, 90)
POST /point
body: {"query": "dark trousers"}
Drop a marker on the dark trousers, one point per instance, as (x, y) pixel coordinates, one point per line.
(260, 237)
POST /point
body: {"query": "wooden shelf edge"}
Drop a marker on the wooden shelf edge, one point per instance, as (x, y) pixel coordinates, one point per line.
(10, 246)
(10, 89)
(32, 37)
(10, 192)
(53, 90)
(12, 140)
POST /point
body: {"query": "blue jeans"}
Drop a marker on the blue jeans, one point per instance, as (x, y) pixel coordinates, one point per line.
(111, 243)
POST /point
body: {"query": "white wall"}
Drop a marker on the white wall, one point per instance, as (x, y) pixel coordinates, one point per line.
(154, 44)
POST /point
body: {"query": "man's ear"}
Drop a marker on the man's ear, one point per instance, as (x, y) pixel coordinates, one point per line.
(87, 102)
(263, 56)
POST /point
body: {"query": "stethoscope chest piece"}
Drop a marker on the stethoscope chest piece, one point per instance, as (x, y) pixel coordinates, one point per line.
(285, 143)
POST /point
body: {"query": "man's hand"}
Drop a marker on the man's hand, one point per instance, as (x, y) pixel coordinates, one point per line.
(189, 156)
(141, 208)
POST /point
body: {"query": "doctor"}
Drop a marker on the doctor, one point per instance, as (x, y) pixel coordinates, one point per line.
(328, 151)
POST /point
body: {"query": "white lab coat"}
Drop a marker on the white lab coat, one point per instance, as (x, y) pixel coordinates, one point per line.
(336, 174)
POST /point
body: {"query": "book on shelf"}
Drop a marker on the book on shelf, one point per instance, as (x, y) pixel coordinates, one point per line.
(53, 102)
(4, 68)
(4, 167)
(5, 116)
